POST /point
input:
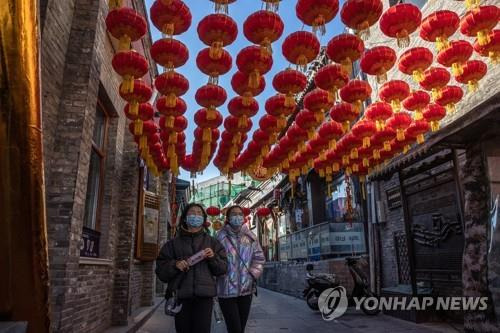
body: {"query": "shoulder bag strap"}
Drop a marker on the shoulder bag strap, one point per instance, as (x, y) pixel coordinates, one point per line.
(238, 254)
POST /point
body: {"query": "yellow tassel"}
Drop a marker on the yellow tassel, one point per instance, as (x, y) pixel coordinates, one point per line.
(434, 125)
(450, 108)
(457, 69)
(347, 65)
(282, 122)
(215, 51)
(345, 160)
(286, 164)
(470, 4)
(207, 135)
(319, 116)
(115, 4)
(332, 144)
(483, 37)
(396, 105)
(363, 31)
(328, 170)
(206, 149)
(366, 142)
(472, 86)
(346, 125)
(441, 43)
(236, 139)
(366, 162)
(254, 79)
(247, 99)
(403, 40)
(143, 142)
(420, 139)
(304, 169)
(418, 114)
(124, 44)
(355, 167)
(354, 153)
(242, 121)
(310, 133)
(134, 108)
(169, 121)
(335, 167)
(357, 106)
(418, 75)
(171, 100)
(211, 115)
(436, 93)
(264, 150)
(381, 78)
(494, 57)
(289, 100)
(170, 150)
(138, 127)
(376, 154)
(400, 134)
(168, 29)
(321, 173)
(387, 145)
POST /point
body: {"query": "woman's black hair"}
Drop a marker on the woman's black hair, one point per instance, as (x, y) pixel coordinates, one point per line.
(182, 221)
(228, 211)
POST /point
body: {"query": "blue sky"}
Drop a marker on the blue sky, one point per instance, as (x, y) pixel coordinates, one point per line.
(239, 11)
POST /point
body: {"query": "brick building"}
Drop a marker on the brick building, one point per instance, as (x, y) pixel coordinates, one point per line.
(96, 185)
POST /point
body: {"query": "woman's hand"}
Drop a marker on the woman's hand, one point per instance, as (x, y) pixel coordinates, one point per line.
(209, 253)
(182, 265)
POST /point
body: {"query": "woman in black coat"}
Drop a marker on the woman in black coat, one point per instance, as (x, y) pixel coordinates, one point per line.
(196, 284)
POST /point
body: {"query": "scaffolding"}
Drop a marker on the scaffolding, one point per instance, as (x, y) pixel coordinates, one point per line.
(220, 193)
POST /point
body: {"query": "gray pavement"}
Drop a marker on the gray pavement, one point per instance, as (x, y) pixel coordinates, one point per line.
(275, 312)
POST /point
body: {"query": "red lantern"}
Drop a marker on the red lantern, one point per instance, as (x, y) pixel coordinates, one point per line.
(438, 27)
(479, 22)
(394, 92)
(416, 102)
(246, 211)
(263, 212)
(473, 71)
(275, 106)
(434, 79)
(344, 49)
(289, 82)
(300, 48)
(145, 113)
(382, 139)
(417, 129)
(214, 67)
(344, 113)
(350, 144)
(263, 28)
(433, 113)
(318, 101)
(240, 81)
(360, 15)
(306, 120)
(268, 123)
(364, 129)
(130, 65)
(202, 119)
(126, 25)
(172, 85)
(400, 122)
(170, 112)
(254, 63)
(378, 61)
(379, 112)
(316, 13)
(234, 124)
(355, 92)
(237, 109)
(141, 93)
(213, 211)
(450, 95)
(400, 21)
(173, 18)
(415, 61)
(169, 53)
(455, 55)
(211, 96)
(331, 131)
(179, 125)
(331, 78)
(217, 31)
(492, 49)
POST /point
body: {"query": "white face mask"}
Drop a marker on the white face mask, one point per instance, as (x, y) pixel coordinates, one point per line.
(236, 220)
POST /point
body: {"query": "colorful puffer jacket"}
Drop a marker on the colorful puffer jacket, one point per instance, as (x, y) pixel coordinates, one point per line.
(238, 281)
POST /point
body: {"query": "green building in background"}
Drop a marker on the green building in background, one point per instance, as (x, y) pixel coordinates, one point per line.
(217, 192)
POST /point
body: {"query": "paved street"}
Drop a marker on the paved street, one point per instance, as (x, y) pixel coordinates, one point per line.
(275, 312)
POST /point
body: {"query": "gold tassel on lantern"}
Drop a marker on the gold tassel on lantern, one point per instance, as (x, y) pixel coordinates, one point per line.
(418, 75)
(321, 173)
(363, 30)
(289, 100)
(242, 121)
(483, 37)
(172, 138)
(470, 4)
(396, 105)
(207, 134)
(170, 150)
(347, 66)
(418, 114)
(168, 29)
(335, 167)
(366, 162)
(124, 44)
(332, 144)
(434, 125)
(400, 134)
(381, 78)
(354, 153)
(171, 100)
(441, 43)
(450, 108)
(115, 4)
(420, 139)
(457, 69)
(127, 85)
(387, 145)
(366, 142)
(254, 79)
(302, 62)
(138, 127)
(143, 142)
(281, 122)
(319, 25)
(346, 125)
(472, 86)
(134, 108)
(211, 114)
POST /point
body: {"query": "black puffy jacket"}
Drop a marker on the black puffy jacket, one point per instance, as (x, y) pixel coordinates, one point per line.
(199, 280)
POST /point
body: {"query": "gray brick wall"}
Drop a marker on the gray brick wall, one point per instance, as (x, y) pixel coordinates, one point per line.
(76, 73)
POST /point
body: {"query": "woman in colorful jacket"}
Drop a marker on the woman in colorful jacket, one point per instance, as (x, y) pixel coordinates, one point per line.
(245, 265)
(195, 285)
